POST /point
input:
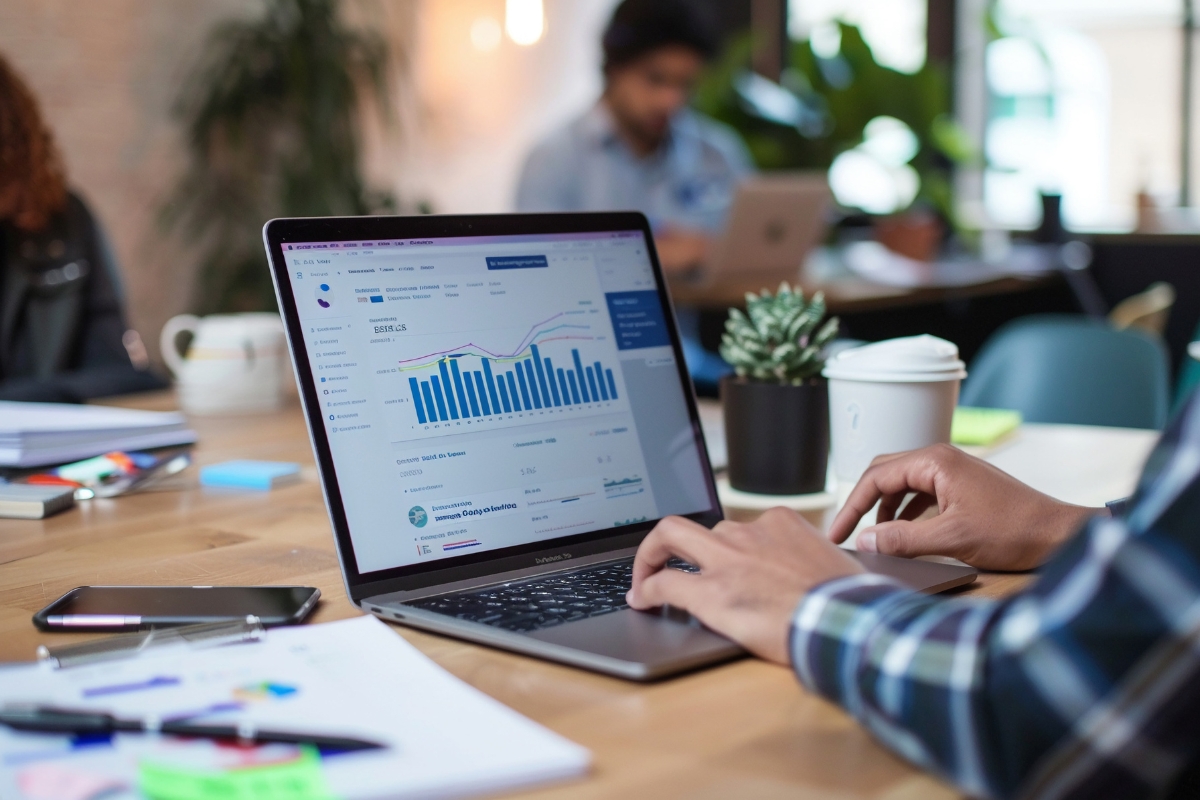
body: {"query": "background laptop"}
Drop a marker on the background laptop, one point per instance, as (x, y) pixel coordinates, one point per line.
(500, 413)
(775, 220)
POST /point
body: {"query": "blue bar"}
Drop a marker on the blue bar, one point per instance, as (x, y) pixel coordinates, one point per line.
(512, 391)
(487, 370)
(574, 388)
(600, 378)
(553, 385)
(592, 383)
(524, 387)
(504, 397)
(449, 391)
(483, 401)
(612, 384)
(579, 372)
(458, 387)
(537, 363)
(437, 392)
(433, 417)
(416, 393)
(471, 397)
(533, 389)
(562, 383)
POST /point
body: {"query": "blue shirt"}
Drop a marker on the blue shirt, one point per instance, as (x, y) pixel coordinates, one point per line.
(1085, 685)
(688, 182)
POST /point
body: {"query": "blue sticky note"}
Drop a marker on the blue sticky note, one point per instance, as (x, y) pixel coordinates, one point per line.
(260, 475)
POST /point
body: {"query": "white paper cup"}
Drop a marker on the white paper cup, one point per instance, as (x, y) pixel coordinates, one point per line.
(890, 397)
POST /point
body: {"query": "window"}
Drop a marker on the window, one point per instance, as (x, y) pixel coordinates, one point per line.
(895, 29)
(1083, 100)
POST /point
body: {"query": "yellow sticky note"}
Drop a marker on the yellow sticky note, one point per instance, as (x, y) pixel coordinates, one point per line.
(982, 426)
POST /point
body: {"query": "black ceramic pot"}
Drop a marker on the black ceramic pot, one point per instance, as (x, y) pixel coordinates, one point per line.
(777, 435)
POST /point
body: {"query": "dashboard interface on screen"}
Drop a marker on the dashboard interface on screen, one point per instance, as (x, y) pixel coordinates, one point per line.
(485, 392)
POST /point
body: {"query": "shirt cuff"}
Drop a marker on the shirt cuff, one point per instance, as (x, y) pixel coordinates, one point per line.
(830, 629)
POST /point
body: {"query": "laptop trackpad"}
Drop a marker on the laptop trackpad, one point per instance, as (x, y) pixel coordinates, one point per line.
(655, 639)
(924, 576)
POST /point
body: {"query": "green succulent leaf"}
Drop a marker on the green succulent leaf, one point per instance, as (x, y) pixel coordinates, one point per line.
(774, 340)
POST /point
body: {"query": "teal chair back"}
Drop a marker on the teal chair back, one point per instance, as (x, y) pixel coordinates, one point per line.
(1072, 369)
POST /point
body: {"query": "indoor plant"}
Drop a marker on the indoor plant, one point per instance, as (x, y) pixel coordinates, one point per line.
(272, 116)
(821, 105)
(776, 403)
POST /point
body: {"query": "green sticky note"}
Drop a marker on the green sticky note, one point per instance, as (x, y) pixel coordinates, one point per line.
(298, 779)
(981, 426)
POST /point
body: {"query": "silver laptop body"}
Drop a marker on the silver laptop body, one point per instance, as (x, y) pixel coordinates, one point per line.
(500, 412)
(776, 219)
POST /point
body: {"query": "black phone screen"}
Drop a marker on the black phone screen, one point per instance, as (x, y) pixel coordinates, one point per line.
(176, 605)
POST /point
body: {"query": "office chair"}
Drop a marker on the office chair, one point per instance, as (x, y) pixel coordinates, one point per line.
(1068, 369)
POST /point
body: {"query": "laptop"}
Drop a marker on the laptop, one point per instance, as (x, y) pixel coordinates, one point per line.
(500, 413)
(776, 219)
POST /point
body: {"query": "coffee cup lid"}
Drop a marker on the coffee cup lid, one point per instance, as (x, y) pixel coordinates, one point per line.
(911, 359)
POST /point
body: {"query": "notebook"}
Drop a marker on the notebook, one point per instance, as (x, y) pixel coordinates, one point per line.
(21, 501)
(37, 434)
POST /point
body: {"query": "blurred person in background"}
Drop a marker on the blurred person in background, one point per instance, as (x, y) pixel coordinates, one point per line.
(641, 147)
(63, 335)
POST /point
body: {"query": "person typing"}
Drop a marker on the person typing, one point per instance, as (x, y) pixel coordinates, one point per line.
(641, 147)
(1086, 684)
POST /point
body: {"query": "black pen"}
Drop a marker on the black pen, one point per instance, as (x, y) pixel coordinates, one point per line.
(46, 719)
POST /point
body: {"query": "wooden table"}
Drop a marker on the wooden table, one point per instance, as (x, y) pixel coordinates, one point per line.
(745, 729)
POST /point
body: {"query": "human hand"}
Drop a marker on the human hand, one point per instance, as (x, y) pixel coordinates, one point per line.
(752, 575)
(680, 250)
(986, 517)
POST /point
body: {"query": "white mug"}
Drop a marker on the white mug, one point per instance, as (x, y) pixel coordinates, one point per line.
(236, 363)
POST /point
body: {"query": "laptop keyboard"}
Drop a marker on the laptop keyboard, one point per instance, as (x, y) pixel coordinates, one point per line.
(544, 602)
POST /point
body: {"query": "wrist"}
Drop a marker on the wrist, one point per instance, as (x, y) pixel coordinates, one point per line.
(1070, 519)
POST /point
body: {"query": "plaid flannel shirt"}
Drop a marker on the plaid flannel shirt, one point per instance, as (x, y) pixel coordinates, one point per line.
(1086, 684)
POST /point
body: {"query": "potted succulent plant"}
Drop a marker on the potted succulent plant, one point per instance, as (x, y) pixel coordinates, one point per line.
(776, 403)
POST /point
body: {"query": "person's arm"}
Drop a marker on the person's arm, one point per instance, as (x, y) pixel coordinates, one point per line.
(681, 250)
(985, 517)
(1086, 684)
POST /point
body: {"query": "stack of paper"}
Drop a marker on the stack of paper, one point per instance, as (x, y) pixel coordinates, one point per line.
(355, 678)
(37, 434)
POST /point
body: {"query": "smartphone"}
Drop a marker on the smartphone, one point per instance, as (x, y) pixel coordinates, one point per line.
(123, 608)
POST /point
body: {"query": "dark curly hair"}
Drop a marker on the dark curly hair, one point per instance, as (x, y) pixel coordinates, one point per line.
(31, 168)
(640, 26)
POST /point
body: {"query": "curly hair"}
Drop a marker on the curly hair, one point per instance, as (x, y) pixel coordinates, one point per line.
(33, 182)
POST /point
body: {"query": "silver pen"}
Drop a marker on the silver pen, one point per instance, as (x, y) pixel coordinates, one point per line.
(132, 645)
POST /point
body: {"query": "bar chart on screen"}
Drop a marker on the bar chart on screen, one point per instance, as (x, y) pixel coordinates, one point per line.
(563, 366)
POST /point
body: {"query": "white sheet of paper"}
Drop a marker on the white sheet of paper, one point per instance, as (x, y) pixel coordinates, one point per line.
(355, 677)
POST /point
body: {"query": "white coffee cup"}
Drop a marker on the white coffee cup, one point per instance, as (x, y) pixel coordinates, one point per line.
(236, 363)
(889, 397)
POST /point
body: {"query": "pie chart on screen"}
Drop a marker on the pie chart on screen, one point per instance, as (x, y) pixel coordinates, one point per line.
(324, 295)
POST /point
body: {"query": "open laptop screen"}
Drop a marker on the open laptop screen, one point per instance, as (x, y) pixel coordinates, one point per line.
(486, 392)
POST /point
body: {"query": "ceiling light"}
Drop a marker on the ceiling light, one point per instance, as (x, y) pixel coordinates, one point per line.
(524, 21)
